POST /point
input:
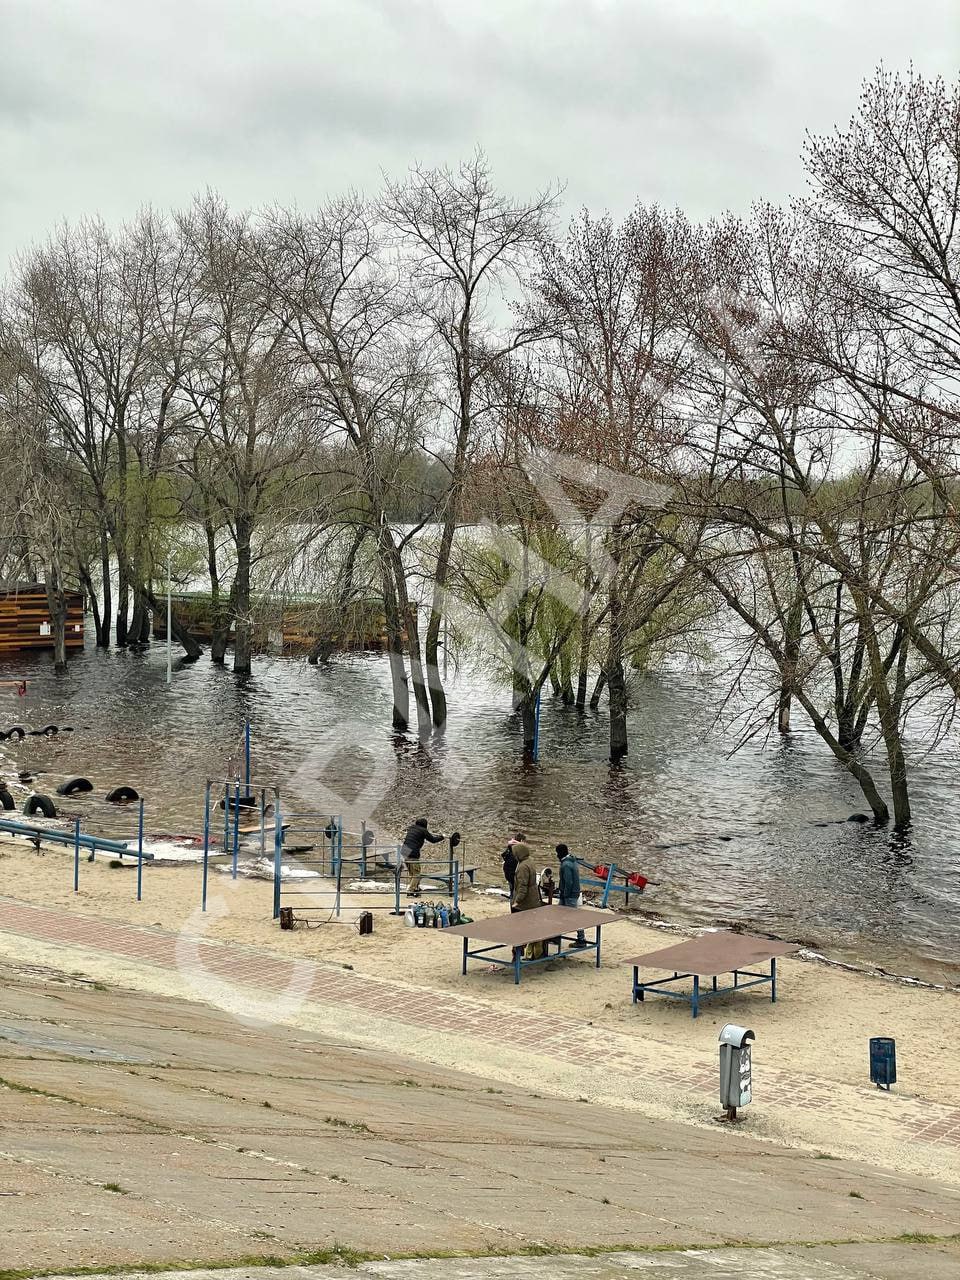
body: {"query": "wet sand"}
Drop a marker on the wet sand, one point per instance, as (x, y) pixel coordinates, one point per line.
(832, 1008)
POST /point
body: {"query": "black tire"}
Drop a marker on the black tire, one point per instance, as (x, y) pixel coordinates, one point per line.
(244, 802)
(74, 786)
(6, 799)
(121, 795)
(17, 732)
(50, 730)
(40, 804)
(3, 735)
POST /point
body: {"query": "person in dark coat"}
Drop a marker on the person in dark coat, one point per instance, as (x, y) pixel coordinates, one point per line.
(417, 833)
(509, 860)
(570, 892)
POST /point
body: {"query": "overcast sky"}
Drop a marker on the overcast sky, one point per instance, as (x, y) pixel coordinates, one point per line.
(106, 105)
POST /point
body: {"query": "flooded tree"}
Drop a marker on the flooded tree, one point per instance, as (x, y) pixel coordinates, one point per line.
(249, 428)
(612, 296)
(466, 247)
(350, 322)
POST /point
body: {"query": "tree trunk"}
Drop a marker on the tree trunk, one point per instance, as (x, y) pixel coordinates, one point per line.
(438, 697)
(902, 816)
(106, 618)
(189, 643)
(57, 608)
(566, 685)
(241, 610)
(398, 670)
(528, 721)
(616, 680)
(849, 761)
(583, 663)
(140, 615)
(86, 581)
(222, 616)
(791, 657)
(391, 553)
(324, 645)
(598, 689)
(585, 631)
(888, 710)
(617, 694)
(144, 633)
(122, 602)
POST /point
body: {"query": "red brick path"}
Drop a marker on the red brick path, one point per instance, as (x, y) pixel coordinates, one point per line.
(266, 975)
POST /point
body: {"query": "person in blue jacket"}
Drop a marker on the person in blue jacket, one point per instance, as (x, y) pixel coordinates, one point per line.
(570, 885)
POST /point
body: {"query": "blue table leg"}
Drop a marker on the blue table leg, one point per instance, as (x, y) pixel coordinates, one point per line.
(636, 979)
(696, 995)
(598, 946)
(517, 958)
(736, 977)
(773, 981)
(714, 982)
(465, 944)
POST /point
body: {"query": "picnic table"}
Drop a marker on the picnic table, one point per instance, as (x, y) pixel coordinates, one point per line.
(511, 933)
(709, 956)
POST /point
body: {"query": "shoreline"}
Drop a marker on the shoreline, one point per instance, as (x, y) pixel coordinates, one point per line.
(843, 958)
(568, 1030)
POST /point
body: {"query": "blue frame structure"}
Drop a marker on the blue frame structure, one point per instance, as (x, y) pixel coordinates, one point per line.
(657, 987)
(517, 963)
(607, 884)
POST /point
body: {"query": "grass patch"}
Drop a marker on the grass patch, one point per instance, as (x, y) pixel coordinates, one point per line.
(355, 1126)
(854, 1195)
(340, 1255)
(116, 1188)
(36, 1093)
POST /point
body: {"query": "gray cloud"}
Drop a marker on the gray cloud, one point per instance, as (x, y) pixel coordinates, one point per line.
(109, 104)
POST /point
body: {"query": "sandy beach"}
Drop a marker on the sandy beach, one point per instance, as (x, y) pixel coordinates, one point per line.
(819, 1004)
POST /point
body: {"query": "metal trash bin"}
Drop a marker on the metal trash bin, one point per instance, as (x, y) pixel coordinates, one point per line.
(736, 1068)
(883, 1062)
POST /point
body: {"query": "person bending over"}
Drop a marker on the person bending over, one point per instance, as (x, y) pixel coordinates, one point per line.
(509, 860)
(417, 832)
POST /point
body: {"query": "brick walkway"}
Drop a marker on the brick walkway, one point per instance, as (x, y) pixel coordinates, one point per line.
(558, 1038)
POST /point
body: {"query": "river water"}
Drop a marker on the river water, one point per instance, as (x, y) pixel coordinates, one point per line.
(758, 837)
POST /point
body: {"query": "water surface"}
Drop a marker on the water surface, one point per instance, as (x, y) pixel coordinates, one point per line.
(728, 838)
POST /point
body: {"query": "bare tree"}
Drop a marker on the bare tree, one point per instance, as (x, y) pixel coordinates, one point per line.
(348, 316)
(467, 247)
(613, 296)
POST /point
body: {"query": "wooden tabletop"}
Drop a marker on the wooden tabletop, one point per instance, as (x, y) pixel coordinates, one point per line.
(712, 953)
(520, 927)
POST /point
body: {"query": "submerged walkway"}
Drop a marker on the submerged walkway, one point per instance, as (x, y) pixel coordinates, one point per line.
(642, 1068)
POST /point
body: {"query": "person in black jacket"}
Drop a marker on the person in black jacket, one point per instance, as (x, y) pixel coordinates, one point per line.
(509, 860)
(417, 832)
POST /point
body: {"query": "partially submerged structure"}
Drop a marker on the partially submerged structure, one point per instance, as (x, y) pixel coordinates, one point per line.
(25, 621)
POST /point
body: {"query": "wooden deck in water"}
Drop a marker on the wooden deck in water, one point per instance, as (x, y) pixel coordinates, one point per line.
(25, 618)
